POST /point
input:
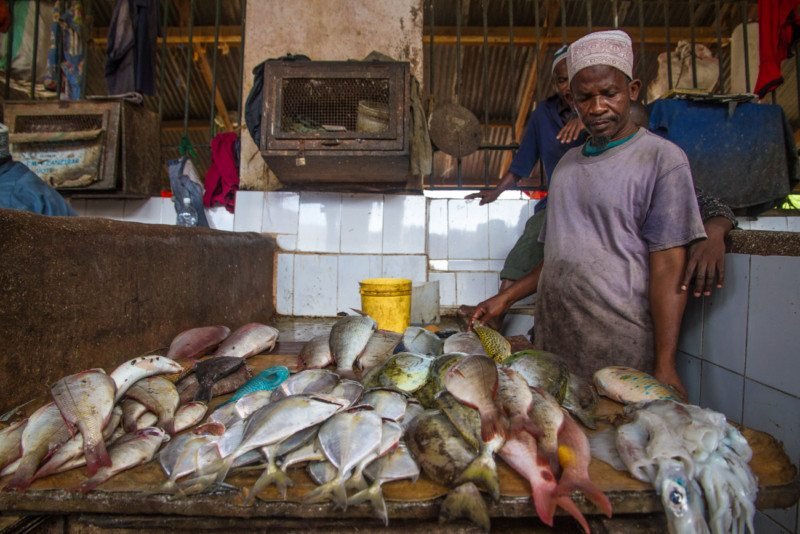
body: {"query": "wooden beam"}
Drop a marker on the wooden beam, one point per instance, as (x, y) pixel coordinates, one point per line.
(526, 35)
(228, 36)
(205, 71)
(176, 126)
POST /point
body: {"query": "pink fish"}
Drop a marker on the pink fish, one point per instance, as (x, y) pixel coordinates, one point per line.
(197, 341)
(11, 442)
(520, 453)
(249, 340)
(43, 434)
(473, 381)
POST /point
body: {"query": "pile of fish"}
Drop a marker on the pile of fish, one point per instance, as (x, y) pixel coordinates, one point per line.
(696, 461)
(112, 422)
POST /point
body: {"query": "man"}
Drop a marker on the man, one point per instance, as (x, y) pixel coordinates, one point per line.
(542, 141)
(621, 212)
(21, 189)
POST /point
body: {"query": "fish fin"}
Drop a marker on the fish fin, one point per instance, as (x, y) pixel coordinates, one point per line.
(204, 393)
(521, 423)
(356, 482)
(271, 475)
(491, 426)
(586, 418)
(483, 473)
(170, 487)
(466, 502)
(544, 502)
(567, 485)
(24, 474)
(96, 457)
(330, 491)
(603, 446)
(169, 426)
(566, 503)
(196, 485)
(346, 373)
(374, 495)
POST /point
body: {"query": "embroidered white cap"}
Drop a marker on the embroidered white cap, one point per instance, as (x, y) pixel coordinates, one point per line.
(612, 48)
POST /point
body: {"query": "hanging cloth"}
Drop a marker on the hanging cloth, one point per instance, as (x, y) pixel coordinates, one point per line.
(776, 27)
(132, 36)
(185, 182)
(222, 178)
(67, 50)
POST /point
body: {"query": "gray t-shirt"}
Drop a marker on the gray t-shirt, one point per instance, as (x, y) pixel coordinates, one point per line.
(606, 214)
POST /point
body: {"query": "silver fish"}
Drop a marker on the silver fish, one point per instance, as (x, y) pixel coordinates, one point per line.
(249, 340)
(349, 336)
(346, 439)
(86, 400)
(396, 465)
(11, 442)
(197, 341)
(387, 403)
(146, 420)
(44, 432)
(305, 383)
(160, 396)
(316, 353)
(189, 415)
(391, 433)
(465, 342)
(348, 390)
(322, 472)
(417, 340)
(181, 457)
(307, 453)
(413, 410)
(134, 370)
(380, 347)
(138, 449)
(131, 411)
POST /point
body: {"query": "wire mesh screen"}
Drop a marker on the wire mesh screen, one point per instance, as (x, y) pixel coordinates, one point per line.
(57, 123)
(335, 104)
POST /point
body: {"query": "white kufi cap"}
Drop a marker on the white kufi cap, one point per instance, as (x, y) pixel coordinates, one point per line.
(612, 48)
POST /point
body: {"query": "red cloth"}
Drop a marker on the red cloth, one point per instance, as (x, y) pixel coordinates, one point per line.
(5, 16)
(222, 178)
(776, 22)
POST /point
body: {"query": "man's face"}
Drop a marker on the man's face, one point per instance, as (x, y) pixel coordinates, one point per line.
(602, 97)
(561, 81)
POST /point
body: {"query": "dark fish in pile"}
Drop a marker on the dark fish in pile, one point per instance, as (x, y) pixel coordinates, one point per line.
(541, 369)
(189, 387)
(210, 371)
(86, 400)
(427, 393)
(404, 372)
(197, 341)
(249, 340)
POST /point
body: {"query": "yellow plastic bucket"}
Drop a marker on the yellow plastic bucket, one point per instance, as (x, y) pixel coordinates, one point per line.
(388, 301)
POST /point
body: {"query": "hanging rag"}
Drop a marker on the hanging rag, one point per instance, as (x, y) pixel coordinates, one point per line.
(132, 36)
(185, 182)
(23, 27)
(67, 50)
(5, 16)
(777, 24)
(222, 178)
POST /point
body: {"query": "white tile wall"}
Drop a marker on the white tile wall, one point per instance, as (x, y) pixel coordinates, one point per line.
(281, 212)
(775, 224)
(722, 391)
(287, 241)
(691, 339)
(468, 230)
(315, 291)
(106, 208)
(353, 269)
(447, 287)
(475, 287)
(725, 316)
(168, 213)
(320, 222)
(143, 210)
(507, 220)
(404, 219)
(249, 211)
(793, 224)
(219, 218)
(415, 268)
(468, 265)
(284, 284)
(362, 224)
(437, 229)
(689, 369)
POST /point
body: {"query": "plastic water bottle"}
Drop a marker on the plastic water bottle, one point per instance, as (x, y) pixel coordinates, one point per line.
(187, 216)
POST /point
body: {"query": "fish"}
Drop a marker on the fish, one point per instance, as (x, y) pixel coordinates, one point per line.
(514, 398)
(160, 397)
(380, 347)
(574, 457)
(348, 339)
(189, 415)
(465, 342)
(86, 400)
(541, 369)
(11, 442)
(346, 439)
(197, 341)
(396, 465)
(243, 408)
(521, 454)
(139, 448)
(496, 346)
(249, 340)
(473, 381)
(210, 371)
(347, 390)
(466, 502)
(266, 380)
(391, 432)
(548, 418)
(628, 385)
(45, 432)
(682, 500)
(418, 340)
(322, 472)
(73, 448)
(147, 419)
(435, 384)
(183, 456)
(404, 372)
(131, 411)
(189, 387)
(316, 353)
(130, 372)
(581, 400)
(306, 382)
(438, 448)
(413, 410)
(387, 403)
(309, 452)
(483, 469)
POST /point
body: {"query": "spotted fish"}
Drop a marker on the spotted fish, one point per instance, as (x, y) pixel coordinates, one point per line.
(493, 343)
(628, 385)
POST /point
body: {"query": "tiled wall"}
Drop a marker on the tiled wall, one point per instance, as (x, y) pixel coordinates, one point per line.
(739, 353)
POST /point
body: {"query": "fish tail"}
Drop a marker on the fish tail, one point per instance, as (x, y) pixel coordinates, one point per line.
(271, 475)
(91, 484)
(483, 473)
(586, 418)
(544, 502)
(330, 491)
(374, 495)
(491, 426)
(96, 457)
(24, 474)
(196, 485)
(169, 426)
(566, 503)
(356, 482)
(466, 502)
(204, 393)
(568, 484)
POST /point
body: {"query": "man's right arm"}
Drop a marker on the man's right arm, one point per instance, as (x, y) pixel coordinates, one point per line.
(490, 195)
(498, 304)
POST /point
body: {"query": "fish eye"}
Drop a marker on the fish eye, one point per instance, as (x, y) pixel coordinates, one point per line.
(676, 498)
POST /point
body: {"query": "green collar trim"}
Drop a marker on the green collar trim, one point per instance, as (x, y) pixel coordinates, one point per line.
(590, 150)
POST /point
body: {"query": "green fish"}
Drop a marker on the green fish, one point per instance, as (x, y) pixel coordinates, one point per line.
(404, 371)
(581, 400)
(541, 369)
(427, 393)
(495, 345)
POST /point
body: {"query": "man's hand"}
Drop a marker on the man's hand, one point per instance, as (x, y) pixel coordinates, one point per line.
(669, 377)
(490, 308)
(487, 196)
(707, 259)
(571, 131)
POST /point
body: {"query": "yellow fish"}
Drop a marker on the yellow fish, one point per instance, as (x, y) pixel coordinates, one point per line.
(495, 345)
(628, 385)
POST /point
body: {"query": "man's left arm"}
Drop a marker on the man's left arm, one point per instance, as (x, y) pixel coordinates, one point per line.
(707, 257)
(667, 303)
